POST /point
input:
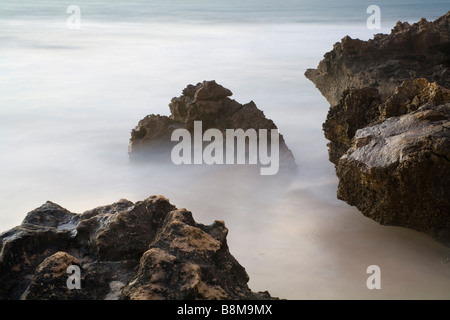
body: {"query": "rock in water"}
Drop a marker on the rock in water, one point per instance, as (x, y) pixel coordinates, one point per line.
(208, 102)
(144, 250)
(388, 124)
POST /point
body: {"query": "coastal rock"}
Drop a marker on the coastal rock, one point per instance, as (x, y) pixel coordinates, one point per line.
(420, 50)
(359, 108)
(143, 250)
(388, 124)
(49, 279)
(398, 172)
(208, 102)
(356, 109)
(410, 95)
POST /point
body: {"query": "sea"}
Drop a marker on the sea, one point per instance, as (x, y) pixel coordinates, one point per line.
(77, 76)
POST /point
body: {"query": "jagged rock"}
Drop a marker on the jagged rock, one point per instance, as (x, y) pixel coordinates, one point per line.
(50, 278)
(359, 108)
(185, 254)
(356, 109)
(410, 95)
(388, 124)
(143, 250)
(207, 102)
(413, 51)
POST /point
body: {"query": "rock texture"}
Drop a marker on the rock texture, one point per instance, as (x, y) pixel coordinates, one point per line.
(144, 250)
(398, 172)
(413, 51)
(208, 102)
(388, 124)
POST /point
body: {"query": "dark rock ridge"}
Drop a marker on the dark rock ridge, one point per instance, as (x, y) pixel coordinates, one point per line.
(143, 250)
(208, 102)
(413, 51)
(389, 124)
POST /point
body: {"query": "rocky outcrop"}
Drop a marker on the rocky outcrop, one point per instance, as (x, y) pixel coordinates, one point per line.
(208, 102)
(398, 172)
(143, 250)
(413, 51)
(356, 109)
(388, 124)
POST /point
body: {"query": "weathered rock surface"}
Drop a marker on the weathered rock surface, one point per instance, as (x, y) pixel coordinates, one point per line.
(388, 124)
(398, 172)
(144, 250)
(356, 109)
(413, 51)
(208, 102)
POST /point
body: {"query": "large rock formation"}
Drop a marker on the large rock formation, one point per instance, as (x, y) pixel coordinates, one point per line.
(144, 250)
(388, 124)
(208, 102)
(413, 51)
(398, 172)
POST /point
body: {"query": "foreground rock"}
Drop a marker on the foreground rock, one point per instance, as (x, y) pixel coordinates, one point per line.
(388, 124)
(144, 250)
(208, 102)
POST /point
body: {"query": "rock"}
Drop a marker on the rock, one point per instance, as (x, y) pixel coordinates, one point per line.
(50, 278)
(413, 51)
(207, 102)
(410, 95)
(143, 250)
(210, 90)
(398, 172)
(186, 261)
(356, 109)
(388, 124)
(359, 108)
(43, 232)
(51, 215)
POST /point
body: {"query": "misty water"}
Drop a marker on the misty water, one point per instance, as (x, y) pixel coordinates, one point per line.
(69, 99)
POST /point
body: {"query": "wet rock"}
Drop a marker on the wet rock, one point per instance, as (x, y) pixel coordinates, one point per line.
(143, 250)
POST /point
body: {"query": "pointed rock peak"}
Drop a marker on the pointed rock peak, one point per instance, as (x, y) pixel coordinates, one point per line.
(49, 214)
(210, 90)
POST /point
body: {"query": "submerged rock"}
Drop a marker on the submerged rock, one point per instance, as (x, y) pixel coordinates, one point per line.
(209, 103)
(144, 250)
(388, 124)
